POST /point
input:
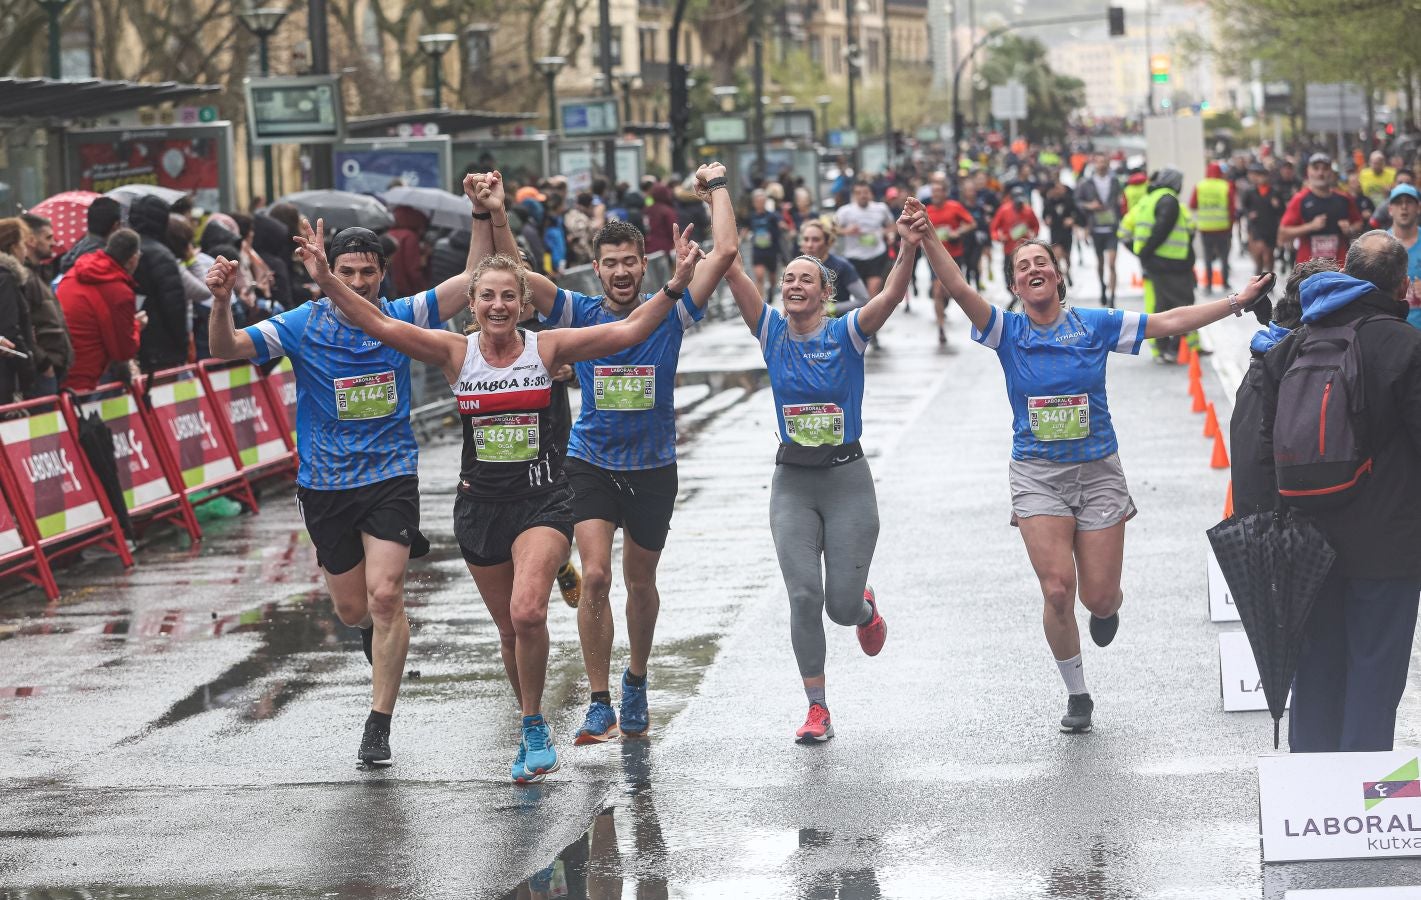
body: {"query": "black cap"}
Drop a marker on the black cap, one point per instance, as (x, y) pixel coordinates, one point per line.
(356, 240)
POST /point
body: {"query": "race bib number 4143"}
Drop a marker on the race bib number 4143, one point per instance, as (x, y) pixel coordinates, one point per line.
(624, 388)
(1061, 418)
(366, 396)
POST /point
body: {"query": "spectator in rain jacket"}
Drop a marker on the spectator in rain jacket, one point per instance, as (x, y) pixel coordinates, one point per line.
(160, 284)
(661, 221)
(273, 245)
(103, 218)
(15, 374)
(408, 266)
(98, 300)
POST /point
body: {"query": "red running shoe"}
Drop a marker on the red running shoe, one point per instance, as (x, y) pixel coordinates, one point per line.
(816, 728)
(873, 633)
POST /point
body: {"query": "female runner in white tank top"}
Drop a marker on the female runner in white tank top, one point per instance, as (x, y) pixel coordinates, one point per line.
(511, 516)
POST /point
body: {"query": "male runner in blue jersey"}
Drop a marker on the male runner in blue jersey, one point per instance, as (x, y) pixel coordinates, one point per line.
(357, 483)
(622, 454)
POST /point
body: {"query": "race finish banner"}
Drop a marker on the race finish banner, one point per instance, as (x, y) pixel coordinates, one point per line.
(256, 429)
(151, 487)
(1340, 805)
(196, 436)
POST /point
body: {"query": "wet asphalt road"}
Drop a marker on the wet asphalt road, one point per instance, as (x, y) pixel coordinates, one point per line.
(188, 729)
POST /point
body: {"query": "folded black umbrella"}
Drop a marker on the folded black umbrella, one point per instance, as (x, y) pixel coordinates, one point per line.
(97, 443)
(1275, 563)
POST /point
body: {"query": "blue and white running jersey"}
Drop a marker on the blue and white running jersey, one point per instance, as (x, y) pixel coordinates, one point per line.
(352, 392)
(816, 379)
(1056, 379)
(628, 418)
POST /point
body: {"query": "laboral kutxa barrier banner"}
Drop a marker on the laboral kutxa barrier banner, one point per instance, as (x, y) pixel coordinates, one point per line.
(1340, 805)
(281, 382)
(140, 469)
(185, 415)
(238, 392)
(53, 486)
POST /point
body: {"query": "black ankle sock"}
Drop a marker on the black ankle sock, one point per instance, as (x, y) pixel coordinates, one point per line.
(379, 718)
(602, 697)
(635, 680)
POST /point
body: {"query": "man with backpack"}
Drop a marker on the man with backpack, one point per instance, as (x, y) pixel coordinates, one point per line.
(1345, 430)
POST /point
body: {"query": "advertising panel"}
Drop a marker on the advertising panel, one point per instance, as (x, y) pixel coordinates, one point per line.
(187, 420)
(372, 167)
(238, 392)
(1340, 805)
(196, 159)
(53, 484)
(140, 471)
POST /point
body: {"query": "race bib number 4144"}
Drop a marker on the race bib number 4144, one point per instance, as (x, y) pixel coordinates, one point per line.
(366, 396)
(624, 388)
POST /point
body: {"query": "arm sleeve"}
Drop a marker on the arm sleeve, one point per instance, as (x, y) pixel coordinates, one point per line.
(991, 337)
(857, 339)
(421, 309)
(686, 312)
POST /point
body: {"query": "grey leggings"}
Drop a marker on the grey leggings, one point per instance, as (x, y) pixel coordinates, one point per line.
(830, 514)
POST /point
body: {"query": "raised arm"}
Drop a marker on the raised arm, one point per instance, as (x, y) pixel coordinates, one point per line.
(711, 179)
(978, 311)
(435, 347)
(746, 294)
(490, 197)
(569, 345)
(224, 341)
(453, 293)
(911, 227)
(1184, 319)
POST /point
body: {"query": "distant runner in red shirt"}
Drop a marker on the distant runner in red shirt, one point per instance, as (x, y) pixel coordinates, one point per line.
(1320, 218)
(1014, 223)
(951, 221)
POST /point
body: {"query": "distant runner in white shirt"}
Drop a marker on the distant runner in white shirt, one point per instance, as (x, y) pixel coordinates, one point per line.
(864, 226)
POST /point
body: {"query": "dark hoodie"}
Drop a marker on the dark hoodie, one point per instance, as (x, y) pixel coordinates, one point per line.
(160, 283)
(272, 242)
(407, 264)
(450, 256)
(1377, 533)
(1253, 479)
(15, 373)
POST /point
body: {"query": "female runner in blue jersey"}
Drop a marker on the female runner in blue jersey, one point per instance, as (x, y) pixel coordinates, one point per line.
(823, 509)
(1069, 495)
(512, 517)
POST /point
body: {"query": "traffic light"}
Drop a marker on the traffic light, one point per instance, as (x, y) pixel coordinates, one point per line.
(1159, 68)
(1117, 20)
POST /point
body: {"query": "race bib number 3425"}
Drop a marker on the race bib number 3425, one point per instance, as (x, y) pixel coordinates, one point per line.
(366, 396)
(814, 424)
(624, 388)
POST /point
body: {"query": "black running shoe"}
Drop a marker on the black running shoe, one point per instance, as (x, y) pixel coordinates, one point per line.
(367, 639)
(1077, 717)
(375, 745)
(1102, 631)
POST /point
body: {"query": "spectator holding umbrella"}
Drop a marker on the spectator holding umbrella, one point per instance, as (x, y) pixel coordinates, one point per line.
(99, 305)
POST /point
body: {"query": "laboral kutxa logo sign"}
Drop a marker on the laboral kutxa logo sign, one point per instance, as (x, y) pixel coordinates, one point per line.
(1334, 805)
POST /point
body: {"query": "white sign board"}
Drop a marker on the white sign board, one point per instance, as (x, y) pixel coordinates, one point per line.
(1221, 602)
(1176, 141)
(1340, 805)
(1336, 107)
(1369, 893)
(1009, 101)
(1238, 674)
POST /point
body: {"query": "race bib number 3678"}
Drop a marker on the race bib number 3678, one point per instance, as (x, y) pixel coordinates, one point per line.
(1061, 418)
(366, 396)
(624, 388)
(512, 437)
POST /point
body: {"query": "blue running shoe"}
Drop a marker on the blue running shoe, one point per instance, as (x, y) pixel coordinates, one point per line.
(635, 718)
(519, 770)
(541, 757)
(599, 727)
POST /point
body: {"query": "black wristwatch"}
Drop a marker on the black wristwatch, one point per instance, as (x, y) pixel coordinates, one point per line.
(672, 292)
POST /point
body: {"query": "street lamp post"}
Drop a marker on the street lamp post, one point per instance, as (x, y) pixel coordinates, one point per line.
(550, 66)
(823, 101)
(262, 22)
(54, 9)
(629, 81)
(435, 46)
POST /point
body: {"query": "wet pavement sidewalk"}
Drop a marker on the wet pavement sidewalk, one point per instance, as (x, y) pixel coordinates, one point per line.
(187, 729)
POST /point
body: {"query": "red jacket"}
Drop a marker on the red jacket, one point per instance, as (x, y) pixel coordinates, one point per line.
(99, 308)
(409, 268)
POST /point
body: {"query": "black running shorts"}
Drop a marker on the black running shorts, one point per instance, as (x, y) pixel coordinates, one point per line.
(639, 501)
(486, 529)
(876, 267)
(335, 520)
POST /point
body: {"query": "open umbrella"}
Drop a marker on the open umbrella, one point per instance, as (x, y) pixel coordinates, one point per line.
(127, 193)
(445, 210)
(341, 209)
(68, 212)
(1275, 563)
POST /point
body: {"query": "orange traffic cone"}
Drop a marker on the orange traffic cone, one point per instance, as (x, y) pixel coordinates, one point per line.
(1200, 403)
(1229, 502)
(1211, 423)
(1194, 368)
(1185, 354)
(1221, 453)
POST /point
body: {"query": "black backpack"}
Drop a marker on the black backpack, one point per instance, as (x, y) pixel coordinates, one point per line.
(1321, 449)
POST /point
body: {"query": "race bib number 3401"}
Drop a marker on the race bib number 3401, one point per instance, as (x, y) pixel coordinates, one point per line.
(1062, 418)
(624, 388)
(815, 424)
(366, 396)
(512, 437)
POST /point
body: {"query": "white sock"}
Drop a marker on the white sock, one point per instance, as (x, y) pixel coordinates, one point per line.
(1072, 674)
